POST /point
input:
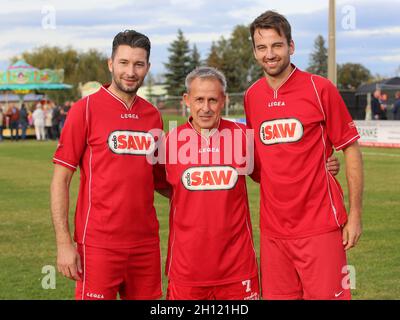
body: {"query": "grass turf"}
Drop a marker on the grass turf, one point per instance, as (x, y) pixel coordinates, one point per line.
(27, 241)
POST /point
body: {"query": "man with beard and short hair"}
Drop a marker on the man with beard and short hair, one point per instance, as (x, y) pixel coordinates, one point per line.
(298, 118)
(109, 135)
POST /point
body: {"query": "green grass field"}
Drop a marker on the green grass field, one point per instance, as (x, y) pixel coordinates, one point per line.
(27, 240)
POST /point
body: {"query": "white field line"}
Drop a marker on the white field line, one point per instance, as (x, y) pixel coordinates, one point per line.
(381, 154)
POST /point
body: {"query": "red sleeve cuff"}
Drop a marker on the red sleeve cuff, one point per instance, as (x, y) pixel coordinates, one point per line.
(64, 164)
(347, 143)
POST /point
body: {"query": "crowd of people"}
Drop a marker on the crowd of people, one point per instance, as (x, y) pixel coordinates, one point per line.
(48, 119)
(380, 106)
(45, 117)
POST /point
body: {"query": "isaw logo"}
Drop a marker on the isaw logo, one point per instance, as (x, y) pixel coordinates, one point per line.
(131, 142)
(210, 178)
(281, 131)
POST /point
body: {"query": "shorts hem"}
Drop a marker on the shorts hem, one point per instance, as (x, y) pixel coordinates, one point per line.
(344, 297)
(154, 297)
(295, 296)
(268, 235)
(211, 284)
(118, 246)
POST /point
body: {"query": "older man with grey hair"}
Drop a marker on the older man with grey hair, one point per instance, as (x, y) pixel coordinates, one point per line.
(211, 252)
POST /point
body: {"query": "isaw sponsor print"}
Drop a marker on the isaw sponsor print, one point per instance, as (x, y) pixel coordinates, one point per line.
(210, 178)
(131, 142)
(281, 131)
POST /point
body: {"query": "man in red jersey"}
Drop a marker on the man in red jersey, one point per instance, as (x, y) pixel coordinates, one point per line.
(298, 118)
(109, 135)
(211, 252)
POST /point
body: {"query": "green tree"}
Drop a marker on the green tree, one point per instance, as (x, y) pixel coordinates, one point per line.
(178, 66)
(319, 58)
(351, 75)
(214, 58)
(195, 58)
(234, 57)
(79, 67)
(246, 70)
(221, 58)
(150, 81)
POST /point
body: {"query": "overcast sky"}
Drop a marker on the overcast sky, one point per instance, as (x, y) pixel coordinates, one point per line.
(368, 31)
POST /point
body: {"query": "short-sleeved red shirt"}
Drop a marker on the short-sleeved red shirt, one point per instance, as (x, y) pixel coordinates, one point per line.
(111, 142)
(210, 241)
(296, 128)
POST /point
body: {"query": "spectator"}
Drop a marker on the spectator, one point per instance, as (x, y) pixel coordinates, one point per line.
(23, 120)
(55, 120)
(376, 107)
(30, 119)
(1, 123)
(63, 113)
(48, 117)
(396, 107)
(384, 106)
(368, 111)
(38, 122)
(13, 115)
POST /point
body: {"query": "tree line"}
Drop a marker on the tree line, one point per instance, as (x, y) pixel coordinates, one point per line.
(79, 67)
(232, 55)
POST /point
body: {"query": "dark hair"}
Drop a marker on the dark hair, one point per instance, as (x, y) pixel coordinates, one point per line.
(133, 39)
(272, 20)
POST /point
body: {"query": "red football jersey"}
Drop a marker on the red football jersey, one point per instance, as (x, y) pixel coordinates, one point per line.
(111, 143)
(210, 240)
(296, 128)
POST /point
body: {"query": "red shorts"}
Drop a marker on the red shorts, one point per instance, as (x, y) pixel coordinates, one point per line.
(312, 268)
(134, 273)
(241, 290)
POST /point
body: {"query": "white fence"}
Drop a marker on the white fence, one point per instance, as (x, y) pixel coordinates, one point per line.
(379, 133)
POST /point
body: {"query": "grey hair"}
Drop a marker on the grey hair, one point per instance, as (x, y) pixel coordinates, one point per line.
(205, 73)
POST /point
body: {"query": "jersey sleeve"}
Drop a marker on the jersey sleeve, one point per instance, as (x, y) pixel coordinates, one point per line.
(159, 174)
(73, 138)
(340, 126)
(256, 174)
(247, 110)
(160, 179)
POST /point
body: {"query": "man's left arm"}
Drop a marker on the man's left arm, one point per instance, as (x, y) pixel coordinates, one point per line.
(355, 181)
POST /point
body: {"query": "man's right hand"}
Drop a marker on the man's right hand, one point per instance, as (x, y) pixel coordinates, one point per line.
(69, 261)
